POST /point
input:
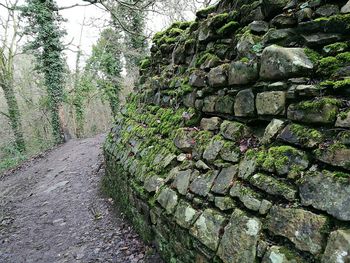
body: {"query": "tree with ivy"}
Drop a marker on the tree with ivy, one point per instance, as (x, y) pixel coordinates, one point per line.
(8, 51)
(133, 20)
(44, 26)
(105, 64)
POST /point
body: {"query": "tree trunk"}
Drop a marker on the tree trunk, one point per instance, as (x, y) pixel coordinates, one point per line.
(14, 116)
(59, 126)
(63, 124)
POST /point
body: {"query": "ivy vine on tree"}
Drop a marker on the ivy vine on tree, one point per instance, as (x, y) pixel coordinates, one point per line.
(105, 64)
(44, 26)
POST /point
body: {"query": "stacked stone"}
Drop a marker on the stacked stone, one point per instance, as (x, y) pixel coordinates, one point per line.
(236, 146)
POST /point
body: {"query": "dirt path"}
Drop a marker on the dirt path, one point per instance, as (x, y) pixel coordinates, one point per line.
(51, 210)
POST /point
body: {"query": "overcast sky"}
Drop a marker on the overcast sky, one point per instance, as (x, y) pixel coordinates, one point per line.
(95, 19)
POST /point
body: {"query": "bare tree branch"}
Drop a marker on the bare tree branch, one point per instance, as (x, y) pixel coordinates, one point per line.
(72, 6)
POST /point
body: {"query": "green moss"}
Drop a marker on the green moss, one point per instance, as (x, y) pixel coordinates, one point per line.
(306, 134)
(335, 48)
(145, 63)
(251, 153)
(341, 175)
(312, 55)
(344, 114)
(344, 58)
(202, 140)
(277, 158)
(317, 104)
(173, 32)
(174, 82)
(244, 60)
(157, 36)
(327, 65)
(203, 13)
(194, 26)
(290, 255)
(182, 24)
(228, 28)
(337, 19)
(336, 146)
(170, 40)
(195, 119)
(185, 89)
(206, 57)
(190, 42)
(168, 36)
(342, 84)
(219, 20)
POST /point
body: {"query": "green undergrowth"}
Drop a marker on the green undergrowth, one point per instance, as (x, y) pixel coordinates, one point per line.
(10, 158)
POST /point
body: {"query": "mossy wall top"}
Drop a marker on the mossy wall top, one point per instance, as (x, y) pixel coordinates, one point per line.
(236, 145)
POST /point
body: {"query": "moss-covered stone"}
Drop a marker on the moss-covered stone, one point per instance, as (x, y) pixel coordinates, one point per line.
(181, 181)
(300, 135)
(338, 247)
(207, 228)
(343, 119)
(301, 227)
(224, 203)
(213, 149)
(240, 238)
(280, 63)
(323, 110)
(273, 186)
(234, 131)
(217, 77)
(327, 191)
(203, 13)
(282, 160)
(177, 155)
(230, 152)
(185, 214)
(335, 48)
(202, 183)
(243, 72)
(336, 155)
(281, 255)
(244, 103)
(228, 28)
(272, 129)
(168, 200)
(246, 195)
(271, 103)
(209, 104)
(224, 179)
(224, 104)
(248, 165)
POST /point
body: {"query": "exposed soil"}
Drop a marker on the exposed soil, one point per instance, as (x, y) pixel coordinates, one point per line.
(52, 210)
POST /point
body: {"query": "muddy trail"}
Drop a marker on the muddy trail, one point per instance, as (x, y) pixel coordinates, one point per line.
(52, 210)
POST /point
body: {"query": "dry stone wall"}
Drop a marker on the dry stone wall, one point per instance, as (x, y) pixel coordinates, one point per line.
(236, 145)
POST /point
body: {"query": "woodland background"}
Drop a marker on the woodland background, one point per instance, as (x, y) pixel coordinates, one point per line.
(44, 99)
